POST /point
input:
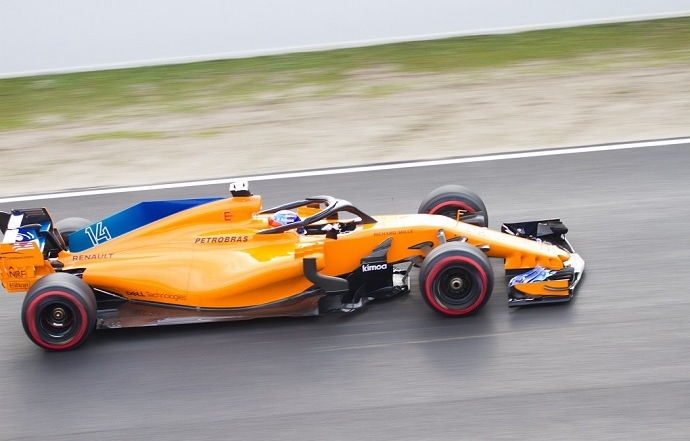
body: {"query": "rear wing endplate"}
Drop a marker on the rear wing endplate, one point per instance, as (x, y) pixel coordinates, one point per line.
(22, 259)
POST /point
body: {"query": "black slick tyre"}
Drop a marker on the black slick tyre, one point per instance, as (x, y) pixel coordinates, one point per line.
(456, 279)
(451, 199)
(69, 226)
(59, 312)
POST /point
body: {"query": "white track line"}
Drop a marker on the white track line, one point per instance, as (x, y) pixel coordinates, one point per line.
(359, 169)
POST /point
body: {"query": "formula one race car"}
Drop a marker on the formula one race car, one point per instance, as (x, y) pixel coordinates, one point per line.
(196, 260)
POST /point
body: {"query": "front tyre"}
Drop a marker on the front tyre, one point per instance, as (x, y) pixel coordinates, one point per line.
(454, 200)
(456, 279)
(59, 312)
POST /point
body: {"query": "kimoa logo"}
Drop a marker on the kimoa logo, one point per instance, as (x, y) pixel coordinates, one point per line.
(377, 267)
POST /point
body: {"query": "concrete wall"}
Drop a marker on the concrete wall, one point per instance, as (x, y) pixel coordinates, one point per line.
(43, 36)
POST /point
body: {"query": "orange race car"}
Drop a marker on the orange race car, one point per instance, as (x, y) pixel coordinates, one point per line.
(196, 260)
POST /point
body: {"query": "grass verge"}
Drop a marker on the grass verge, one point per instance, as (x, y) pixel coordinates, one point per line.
(32, 101)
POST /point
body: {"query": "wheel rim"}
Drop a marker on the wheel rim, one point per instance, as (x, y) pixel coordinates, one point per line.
(456, 287)
(56, 320)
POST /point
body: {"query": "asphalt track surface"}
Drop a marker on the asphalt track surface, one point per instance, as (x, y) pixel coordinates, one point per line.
(612, 364)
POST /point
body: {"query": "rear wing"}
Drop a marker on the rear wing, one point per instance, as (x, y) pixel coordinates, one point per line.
(29, 241)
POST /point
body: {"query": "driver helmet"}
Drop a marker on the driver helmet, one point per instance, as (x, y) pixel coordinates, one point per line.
(285, 217)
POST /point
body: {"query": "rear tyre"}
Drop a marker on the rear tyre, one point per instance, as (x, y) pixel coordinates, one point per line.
(69, 226)
(450, 200)
(59, 312)
(456, 279)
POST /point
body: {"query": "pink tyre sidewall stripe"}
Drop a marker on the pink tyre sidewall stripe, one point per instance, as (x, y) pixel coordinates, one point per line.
(440, 266)
(452, 203)
(31, 320)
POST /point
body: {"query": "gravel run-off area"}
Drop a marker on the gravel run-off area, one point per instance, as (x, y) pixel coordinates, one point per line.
(379, 116)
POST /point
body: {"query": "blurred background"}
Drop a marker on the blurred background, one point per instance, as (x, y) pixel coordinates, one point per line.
(454, 78)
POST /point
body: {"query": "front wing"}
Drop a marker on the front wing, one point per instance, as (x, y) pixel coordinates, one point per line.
(542, 285)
